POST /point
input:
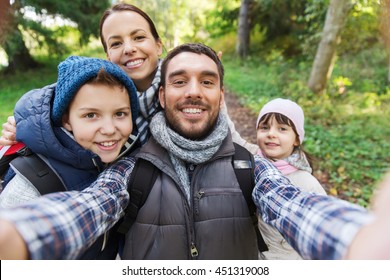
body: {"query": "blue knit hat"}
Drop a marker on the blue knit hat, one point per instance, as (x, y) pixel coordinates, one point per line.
(75, 71)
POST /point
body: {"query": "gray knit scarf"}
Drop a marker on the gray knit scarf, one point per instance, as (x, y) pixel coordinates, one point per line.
(182, 150)
(149, 105)
(298, 159)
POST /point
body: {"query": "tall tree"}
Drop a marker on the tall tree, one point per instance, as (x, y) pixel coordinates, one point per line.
(5, 8)
(85, 13)
(385, 29)
(243, 33)
(326, 53)
(11, 39)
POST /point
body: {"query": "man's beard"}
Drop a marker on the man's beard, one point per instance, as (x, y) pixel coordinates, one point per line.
(201, 131)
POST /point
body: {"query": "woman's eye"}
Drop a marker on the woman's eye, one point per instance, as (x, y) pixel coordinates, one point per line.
(121, 114)
(139, 38)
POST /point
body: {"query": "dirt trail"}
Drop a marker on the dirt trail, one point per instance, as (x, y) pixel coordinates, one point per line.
(243, 118)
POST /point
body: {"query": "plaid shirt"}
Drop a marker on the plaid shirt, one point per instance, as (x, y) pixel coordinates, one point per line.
(58, 225)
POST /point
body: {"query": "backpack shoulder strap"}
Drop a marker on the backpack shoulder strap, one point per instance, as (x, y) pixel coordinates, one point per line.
(7, 154)
(4, 163)
(244, 164)
(36, 170)
(140, 184)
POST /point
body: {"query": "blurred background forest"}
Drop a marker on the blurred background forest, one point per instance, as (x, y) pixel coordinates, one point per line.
(330, 56)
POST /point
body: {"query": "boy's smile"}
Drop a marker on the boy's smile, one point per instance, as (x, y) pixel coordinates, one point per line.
(100, 119)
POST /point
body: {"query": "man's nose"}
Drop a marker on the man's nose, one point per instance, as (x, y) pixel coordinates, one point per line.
(194, 89)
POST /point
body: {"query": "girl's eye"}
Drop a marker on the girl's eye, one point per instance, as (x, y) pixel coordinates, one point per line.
(284, 128)
(263, 127)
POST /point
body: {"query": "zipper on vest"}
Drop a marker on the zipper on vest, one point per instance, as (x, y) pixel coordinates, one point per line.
(193, 250)
(198, 196)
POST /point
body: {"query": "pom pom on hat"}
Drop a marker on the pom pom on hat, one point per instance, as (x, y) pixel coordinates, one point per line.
(288, 108)
(75, 71)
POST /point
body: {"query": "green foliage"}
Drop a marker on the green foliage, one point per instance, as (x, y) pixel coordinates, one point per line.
(12, 87)
(85, 13)
(347, 127)
(178, 21)
(41, 40)
(362, 27)
(223, 19)
(31, 18)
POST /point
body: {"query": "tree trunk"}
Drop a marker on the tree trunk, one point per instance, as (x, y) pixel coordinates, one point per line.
(11, 40)
(326, 53)
(5, 16)
(243, 38)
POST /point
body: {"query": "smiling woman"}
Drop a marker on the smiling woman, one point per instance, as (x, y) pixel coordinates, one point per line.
(130, 43)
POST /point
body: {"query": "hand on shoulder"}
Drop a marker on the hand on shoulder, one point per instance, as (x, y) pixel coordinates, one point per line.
(8, 136)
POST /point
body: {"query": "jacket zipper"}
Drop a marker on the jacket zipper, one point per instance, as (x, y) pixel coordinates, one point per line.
(193, 249)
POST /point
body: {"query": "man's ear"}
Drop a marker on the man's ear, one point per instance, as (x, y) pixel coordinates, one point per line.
(161, 95)
(65, 122)
(222, 101)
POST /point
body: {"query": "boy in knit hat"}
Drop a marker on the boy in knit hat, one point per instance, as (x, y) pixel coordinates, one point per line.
(280, 133)
(77, 126)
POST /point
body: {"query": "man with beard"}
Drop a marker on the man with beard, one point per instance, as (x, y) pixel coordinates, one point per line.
(195, 209)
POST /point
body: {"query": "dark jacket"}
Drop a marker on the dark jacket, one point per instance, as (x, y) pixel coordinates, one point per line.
(214, 225)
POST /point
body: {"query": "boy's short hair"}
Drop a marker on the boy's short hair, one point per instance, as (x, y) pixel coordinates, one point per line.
(76, 71)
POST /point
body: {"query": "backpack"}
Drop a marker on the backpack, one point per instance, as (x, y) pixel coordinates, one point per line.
(33, 168)
(46, 181)
(139, 187)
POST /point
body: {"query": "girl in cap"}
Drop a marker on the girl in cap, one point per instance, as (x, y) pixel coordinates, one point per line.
(280, 133)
